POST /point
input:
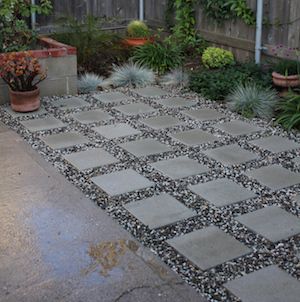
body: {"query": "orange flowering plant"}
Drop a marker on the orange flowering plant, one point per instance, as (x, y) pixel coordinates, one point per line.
(21, 71)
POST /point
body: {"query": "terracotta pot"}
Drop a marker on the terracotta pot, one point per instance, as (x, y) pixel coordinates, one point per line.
(137, 41)
(25, 101)
(285, 81)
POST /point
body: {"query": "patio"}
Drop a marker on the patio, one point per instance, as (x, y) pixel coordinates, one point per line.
(213, 194)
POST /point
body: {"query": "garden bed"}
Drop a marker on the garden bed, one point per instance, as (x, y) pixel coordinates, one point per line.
(60, 62)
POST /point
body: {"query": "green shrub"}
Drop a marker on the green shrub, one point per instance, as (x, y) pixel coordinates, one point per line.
(159, 56)
(251, 100)
(217, 84)
(214, 57)
(287, 67)
(137, 29)
(289, 111)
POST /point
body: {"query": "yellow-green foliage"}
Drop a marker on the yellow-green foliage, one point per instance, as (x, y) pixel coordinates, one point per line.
(214, 57)
(137, 29)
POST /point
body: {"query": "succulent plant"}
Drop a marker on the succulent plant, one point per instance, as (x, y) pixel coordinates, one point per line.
(176, 77)
(132, 75)
(89, 82)
(251, 100)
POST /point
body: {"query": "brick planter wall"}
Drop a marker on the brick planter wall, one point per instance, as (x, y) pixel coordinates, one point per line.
(60, 61)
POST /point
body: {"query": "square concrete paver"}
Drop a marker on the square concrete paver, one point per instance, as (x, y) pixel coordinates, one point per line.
(297, 199)
(175, 102)
(90, 159)
(275, 144)
(236, 128)
(209, 247)
(150, 92)
(269, 284)
(231, 155)
(145, 147)
(160, 122)
(222, 192)
(111, 97)
(272, 222)
(46, 123)
(64, 140)
(91, 116)
(134, 109)
(70, 103)
(159, 210)
(15, 114)
(275, 177)
(116, 130)
(204, 114)
(180, 167)
(194, 137)
(121, 182)
(296, 161)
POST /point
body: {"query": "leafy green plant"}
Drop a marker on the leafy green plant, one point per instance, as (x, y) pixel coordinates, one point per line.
(217, 84)
(137, 29)
(251, 100)
(289, 111)
(159, 56)
(287, 67)
(132, 75)
(15, 35)
(89, 82)
(176, 77)
(214, 57)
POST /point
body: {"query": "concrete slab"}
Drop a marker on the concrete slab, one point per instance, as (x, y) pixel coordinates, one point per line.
(204, 114)
(209, 247)
(134, 109)
(90, 159)
(160, 122)
(180, 167)
(159, 210)
(15, 114)
(297, 199)
(275, 144)
(111, 97)
(70, 103)
(194, 137)
(150, 92)
(222, 192)
(121, 182)
(231, 155)
(236, 128)
(272, 222)
(91, 116)
(296, 161)
(268, 284)
(64, 140)
(116, 130)
(175, 102)
(46, 123)
(145, 147)
(51, 235)
(275, 177)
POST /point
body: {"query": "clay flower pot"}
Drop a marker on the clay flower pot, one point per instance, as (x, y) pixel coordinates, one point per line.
(285, 81)
(137, 41)
(25, 101)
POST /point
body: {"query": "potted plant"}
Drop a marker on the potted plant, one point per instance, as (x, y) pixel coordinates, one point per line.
(22, 73)
(138, 33)
(286, 74)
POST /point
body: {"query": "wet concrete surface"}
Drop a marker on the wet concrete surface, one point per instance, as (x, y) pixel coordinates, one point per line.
(56, 245)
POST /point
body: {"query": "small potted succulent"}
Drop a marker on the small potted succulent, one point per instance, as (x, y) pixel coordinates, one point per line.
(22, 73)
(286, 74)
(138, 34)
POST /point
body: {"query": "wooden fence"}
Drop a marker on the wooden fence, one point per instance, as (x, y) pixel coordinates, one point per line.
(282, 16)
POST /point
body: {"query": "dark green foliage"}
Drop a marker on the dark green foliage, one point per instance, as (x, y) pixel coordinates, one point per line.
(289, 111)
(159, 56)
(217, 84)
(97, 50)
(287, 67)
